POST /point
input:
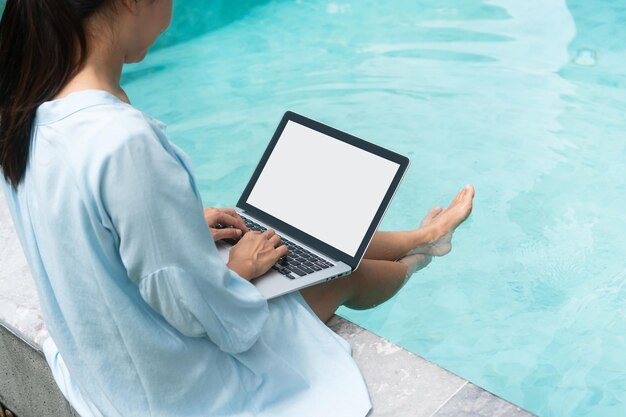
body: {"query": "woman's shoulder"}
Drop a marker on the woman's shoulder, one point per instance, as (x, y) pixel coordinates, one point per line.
(88, 130)
(94, 122)
(110, 127)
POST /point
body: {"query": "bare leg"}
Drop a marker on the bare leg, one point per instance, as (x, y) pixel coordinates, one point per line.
(379, 278)
(433, 237)
(373, 283)
(392, 246)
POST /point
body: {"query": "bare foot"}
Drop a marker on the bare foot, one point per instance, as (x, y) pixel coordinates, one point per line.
(441, 223)
(431, 215)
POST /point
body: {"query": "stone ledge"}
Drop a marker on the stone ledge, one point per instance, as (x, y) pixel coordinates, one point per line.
(402, 383)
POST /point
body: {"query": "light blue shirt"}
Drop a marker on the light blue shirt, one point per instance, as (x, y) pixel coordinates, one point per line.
(147, 317)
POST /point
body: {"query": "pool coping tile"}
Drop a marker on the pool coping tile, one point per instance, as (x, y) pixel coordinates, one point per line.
(473, 401)
(402, 383)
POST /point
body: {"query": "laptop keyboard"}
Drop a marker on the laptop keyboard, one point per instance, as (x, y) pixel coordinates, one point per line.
(299, 262)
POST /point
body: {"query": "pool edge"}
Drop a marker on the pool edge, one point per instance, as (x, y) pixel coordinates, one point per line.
(402, 383)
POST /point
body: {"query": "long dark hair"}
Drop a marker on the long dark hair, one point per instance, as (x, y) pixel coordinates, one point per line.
(42, 44)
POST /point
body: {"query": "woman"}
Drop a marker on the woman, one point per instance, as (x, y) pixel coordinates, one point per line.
(148, 320)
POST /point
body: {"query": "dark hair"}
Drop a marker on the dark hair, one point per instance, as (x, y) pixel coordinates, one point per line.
(42, 45)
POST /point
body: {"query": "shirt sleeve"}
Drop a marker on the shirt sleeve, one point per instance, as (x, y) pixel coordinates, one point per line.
(167, 247)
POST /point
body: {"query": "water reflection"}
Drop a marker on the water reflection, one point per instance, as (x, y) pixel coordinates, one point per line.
(192, 19)
(524, 99)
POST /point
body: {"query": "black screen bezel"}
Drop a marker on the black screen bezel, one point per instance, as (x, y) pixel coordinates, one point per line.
(273, 222)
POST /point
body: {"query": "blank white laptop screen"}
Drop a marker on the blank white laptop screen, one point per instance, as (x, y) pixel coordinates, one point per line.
(323, 186)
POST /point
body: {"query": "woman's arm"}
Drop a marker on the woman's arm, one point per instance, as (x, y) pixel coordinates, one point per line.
(166, 246)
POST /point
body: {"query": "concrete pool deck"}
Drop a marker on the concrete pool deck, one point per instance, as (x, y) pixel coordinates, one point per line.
(400, 383)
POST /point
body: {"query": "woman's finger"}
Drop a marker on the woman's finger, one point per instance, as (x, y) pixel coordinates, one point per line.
(230, 233)
(229, 210)
(226, 219)
(275, 240)
(281, 251)
(233, 213)
(269, 233)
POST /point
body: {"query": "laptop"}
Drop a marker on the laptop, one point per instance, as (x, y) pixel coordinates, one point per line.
(324, 192)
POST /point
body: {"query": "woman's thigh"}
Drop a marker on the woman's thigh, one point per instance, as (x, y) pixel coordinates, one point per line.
(373, 283)
(324, 299)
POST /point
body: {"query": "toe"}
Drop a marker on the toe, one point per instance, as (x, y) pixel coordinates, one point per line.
(460, 195)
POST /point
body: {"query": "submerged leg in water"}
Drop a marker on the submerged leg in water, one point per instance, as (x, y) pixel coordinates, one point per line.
(391, 259)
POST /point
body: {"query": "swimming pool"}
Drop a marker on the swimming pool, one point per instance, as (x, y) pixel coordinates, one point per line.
(526, 100)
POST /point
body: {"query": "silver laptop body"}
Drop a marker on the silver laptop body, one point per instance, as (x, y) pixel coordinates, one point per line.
(274, 284)
(324, 192)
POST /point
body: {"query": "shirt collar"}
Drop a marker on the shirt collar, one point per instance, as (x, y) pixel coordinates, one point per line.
(55, 110)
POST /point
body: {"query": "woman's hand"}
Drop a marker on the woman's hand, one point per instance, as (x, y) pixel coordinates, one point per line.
(255, 254)
(226, 217)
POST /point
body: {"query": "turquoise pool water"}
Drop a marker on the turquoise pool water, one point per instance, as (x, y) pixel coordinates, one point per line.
(525, 99)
